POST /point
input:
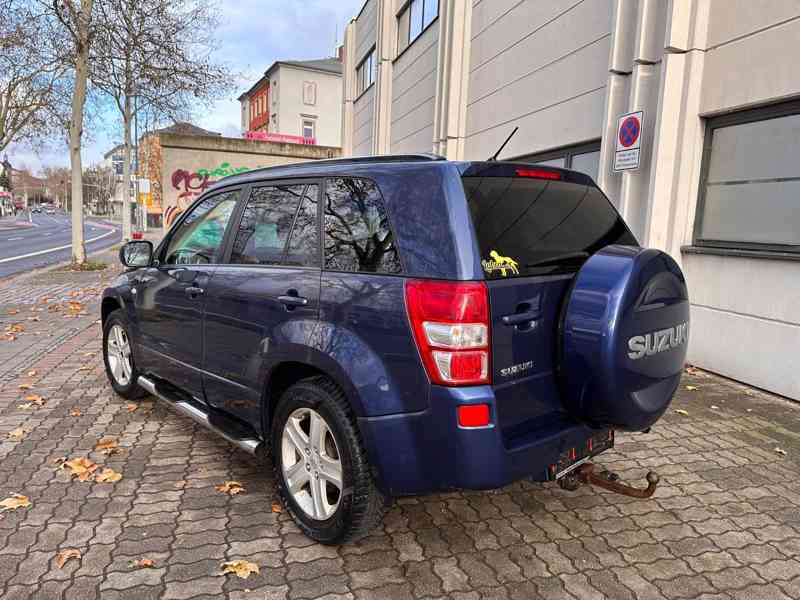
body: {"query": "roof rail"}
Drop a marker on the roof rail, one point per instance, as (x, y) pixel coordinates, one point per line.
(382, 158)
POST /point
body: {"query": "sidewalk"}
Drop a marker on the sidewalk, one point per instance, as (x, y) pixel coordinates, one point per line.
(724, 523)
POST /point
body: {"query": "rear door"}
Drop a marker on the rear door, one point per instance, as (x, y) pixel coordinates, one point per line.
(262, 304)
(535, 227)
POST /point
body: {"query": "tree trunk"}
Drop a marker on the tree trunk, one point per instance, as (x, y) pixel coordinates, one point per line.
(76, 128)
(126, 172)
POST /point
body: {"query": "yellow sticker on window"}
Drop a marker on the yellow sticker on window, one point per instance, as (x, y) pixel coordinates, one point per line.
(507, 266)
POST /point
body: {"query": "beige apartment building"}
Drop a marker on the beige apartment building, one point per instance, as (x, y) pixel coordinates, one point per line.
(297, 98)
(718, 179)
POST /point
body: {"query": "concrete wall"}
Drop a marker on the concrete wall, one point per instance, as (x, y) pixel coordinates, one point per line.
(190, 164)
(365, 31)
(414, 94)
(541, 66)
(326, 112)
(364, 112)
(746, 311)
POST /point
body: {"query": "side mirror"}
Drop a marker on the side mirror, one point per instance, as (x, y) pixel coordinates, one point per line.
(138, 253)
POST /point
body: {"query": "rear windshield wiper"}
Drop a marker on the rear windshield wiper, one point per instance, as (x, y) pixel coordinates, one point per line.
(553, 260)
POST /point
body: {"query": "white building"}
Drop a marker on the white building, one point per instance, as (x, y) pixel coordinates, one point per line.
(718, 82)
(298, 98)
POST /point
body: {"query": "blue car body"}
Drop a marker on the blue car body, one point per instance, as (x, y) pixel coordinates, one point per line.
(236, 345)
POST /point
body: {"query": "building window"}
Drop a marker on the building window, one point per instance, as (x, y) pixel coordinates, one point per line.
(750, 182)
(309, 93)
(584, 158)
(413, 19)
(308, 128)
(365, 72)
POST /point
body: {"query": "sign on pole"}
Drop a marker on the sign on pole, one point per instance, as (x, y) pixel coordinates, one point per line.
(629, 141)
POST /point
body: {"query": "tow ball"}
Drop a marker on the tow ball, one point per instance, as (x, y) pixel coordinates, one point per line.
(605, 479)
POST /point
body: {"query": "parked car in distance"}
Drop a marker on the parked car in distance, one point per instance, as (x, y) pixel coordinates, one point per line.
(389, 326)
(50, 211)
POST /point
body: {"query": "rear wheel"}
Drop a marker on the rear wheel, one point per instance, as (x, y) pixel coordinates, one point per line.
(118, 357)
(320, 464)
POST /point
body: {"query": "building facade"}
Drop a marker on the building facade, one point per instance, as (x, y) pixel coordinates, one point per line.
(297, 99)
(180, 163)
(718, 174)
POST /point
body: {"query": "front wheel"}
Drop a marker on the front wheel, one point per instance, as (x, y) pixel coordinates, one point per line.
(320, 464)
(118, 357)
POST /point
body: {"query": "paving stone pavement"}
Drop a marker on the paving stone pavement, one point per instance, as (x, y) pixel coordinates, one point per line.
(724, 523)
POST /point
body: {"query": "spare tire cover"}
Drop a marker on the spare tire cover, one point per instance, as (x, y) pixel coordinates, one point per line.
(625, 334)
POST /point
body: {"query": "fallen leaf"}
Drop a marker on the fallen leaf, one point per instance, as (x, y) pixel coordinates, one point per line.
(107, 446)
(34, 319)
(749, 410)
(143, 563)
(780, 451)
(714, 407)
(32, 373)
(75, 412)
(86, 368)
(179, 484)
(131, 407)
(692, 388)
(35, 399)
(82, 468)
(14, 502)
(24, 386)
(108, 475)
(88, 354)
(230, 487)
(65, 555)
(276, 508)
(241, 568)
(12, 311)
(17, 434)
(680, 411)
(15, 328)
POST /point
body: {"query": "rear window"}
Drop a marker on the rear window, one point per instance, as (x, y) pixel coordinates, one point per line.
(527, 226)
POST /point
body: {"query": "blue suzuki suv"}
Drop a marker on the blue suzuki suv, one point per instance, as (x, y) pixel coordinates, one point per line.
(388, 326)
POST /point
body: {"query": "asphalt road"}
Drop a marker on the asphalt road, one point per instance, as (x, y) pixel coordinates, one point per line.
(23, 247)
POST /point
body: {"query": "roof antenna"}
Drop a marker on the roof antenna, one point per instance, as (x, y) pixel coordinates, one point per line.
(508, 139)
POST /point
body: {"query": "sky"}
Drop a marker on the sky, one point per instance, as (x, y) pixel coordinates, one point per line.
(255, 33)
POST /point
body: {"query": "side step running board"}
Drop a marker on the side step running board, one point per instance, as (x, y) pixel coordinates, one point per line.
(198, 415)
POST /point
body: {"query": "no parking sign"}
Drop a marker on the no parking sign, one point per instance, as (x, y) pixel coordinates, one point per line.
(629, 141)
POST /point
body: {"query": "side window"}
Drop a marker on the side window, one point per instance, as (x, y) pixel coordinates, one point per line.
(357, 234)
(198, 239)
(265, 225)
(303, 247)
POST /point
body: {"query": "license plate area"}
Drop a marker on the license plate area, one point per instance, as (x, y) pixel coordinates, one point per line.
(574, 457)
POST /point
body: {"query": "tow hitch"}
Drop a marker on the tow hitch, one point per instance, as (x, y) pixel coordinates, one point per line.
(605, 479)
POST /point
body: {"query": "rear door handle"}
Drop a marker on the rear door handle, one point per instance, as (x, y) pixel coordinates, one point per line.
(194, 292)
(292, 300)
(519, 318)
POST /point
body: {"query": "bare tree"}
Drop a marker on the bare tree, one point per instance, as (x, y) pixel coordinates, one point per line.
(154, 56)
(32, 85)
(71, 26)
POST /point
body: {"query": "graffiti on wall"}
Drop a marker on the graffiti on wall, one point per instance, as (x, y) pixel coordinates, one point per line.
(190, 184)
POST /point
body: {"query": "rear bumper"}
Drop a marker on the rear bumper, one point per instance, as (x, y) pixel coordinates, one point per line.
(426, 452)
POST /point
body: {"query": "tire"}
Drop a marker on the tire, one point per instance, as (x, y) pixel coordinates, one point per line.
(359, 506)
(124, 386)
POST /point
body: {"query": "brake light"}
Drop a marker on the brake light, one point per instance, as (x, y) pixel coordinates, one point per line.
(539, 174)
(450, 321)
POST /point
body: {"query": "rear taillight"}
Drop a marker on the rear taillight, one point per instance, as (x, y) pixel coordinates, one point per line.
(450, 321)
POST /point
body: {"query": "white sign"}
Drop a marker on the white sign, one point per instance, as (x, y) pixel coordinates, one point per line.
(144, 186)
(629, 141)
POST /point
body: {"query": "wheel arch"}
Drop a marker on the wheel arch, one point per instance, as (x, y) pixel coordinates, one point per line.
(285, 374)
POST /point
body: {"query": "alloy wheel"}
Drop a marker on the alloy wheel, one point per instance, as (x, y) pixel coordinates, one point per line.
(311, 464)
(118, 351)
